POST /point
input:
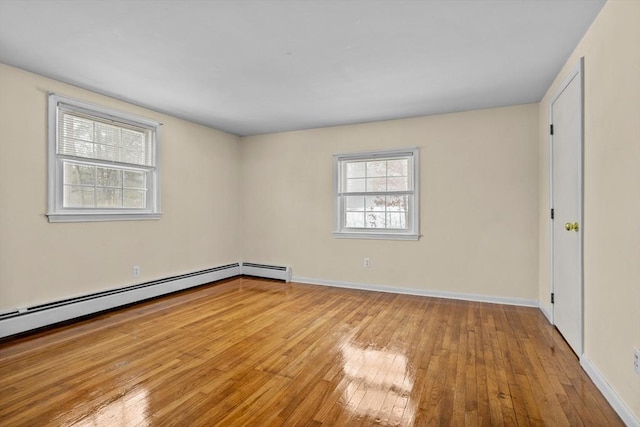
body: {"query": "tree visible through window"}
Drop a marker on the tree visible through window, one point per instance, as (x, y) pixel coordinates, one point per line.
(376, 194)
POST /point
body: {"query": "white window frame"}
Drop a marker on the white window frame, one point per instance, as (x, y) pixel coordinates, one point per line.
(56, 210)
(413, 230)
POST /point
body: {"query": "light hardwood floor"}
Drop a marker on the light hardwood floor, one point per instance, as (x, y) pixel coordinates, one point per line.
(265, 353)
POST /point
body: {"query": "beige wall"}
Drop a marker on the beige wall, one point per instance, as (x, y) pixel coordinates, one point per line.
(611, 50)
(478, 210)
(41, 262)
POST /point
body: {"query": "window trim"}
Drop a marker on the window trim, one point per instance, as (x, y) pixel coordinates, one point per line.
(413, 231)
(55, 211)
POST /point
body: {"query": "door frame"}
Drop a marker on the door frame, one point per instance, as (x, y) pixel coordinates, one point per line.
(576, 72)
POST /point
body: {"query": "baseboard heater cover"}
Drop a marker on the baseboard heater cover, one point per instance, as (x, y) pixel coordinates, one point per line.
(266, 271)
(37, 316)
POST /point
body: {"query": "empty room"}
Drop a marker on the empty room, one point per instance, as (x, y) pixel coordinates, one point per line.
(320, 213)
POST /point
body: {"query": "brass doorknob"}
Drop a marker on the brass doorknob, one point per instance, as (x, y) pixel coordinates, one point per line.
(572, 226)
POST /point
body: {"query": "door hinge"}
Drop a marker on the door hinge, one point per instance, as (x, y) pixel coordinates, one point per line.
(552, 297)
(551, 129)
(552, 212)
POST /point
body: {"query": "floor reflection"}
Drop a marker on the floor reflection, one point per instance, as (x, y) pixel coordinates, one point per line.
(131, 409)
(378, 385)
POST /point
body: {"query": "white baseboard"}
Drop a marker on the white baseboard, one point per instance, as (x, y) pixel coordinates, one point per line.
(418, 292)
(546, 313)
(609, 393)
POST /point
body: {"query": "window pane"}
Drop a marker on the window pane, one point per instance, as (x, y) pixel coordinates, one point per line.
(79, 174)
(397, 220)
(108, 197)
(134, 179)
(107, 177)
(84, 137)
(354, 220)
(378, 168)
(356, 170)
(135, 157)
(132, 140)
(77, 128)
(376, 184)
(76, 148)
(398, 184)
(107, 152)
(134, 199)
(397, 203)
(398, 167)
(374, 220)
(107, 134)
(354, 203)
(357, 184)
(77, 197)
(375, 203)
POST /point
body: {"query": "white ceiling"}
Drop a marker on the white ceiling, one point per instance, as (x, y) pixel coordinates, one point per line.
(251, 67)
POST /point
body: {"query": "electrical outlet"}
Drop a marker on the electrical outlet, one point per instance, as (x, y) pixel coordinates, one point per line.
(136, 270)
(636, 360)
(367, 262)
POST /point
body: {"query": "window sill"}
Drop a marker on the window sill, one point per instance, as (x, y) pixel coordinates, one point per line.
(88, 217)
(375, 236)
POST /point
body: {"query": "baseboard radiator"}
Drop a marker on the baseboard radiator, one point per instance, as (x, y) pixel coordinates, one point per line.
(26, 319)
(266, 271)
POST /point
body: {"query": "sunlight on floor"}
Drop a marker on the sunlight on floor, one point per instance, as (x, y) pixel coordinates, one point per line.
(379, 385)
(130, 409)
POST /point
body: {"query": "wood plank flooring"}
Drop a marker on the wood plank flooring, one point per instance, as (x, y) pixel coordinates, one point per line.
(265, 353)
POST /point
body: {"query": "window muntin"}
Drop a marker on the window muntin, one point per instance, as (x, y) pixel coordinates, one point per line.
(376, 195)
(93, 186)
(80, 135)
(103, 165)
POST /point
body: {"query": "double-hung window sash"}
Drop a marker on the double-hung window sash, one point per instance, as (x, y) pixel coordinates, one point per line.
(102, 165)
(376, 195)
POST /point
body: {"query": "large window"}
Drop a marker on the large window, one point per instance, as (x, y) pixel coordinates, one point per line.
(103, 164)
(377, 195)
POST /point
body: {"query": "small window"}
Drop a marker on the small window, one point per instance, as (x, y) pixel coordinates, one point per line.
(103, 164)
(376, 195)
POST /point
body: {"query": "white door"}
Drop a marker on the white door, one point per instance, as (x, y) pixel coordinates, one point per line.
(566, 202)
